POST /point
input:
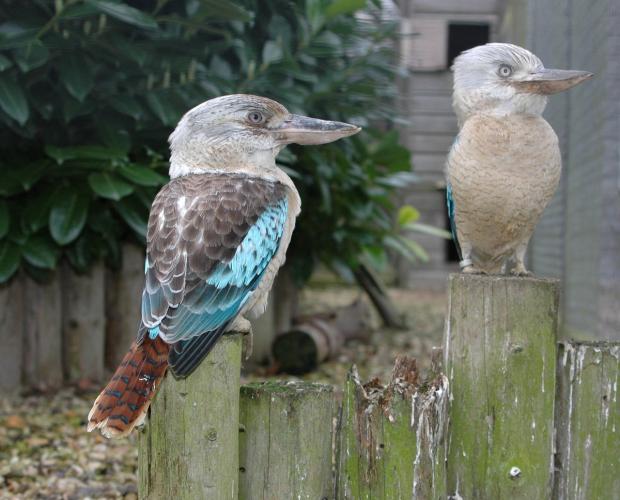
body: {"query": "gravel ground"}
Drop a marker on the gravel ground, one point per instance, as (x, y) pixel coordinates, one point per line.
(45, 451)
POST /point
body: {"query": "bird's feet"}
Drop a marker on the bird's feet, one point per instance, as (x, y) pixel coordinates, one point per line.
(472, 270)
(244, 327)
(467, 267)
(241, 325)
(519, 270)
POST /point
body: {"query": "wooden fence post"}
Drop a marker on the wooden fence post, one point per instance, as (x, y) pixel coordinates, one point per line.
(123, 296)
(500, 351)
(189, 448)
(285, 441)
(42, 317)
(11, 334)
(83, 318)
(391, 440)
(588, 421)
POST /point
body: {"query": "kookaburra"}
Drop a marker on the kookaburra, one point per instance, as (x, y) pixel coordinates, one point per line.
(217, 234)
(504, 165)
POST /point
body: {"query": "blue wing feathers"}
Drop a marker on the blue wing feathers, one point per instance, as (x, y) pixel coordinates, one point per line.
(451, 212)
(212, 304)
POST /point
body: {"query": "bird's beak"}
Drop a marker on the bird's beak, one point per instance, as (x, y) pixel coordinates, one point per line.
(304, 130)
(552, 81)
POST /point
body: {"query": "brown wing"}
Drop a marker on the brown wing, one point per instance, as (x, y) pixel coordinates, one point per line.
(197, 222)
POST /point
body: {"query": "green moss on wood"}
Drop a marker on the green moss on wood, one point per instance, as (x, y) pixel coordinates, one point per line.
(391, 443)
(588, 421)
(500, 358)
(189, 449)
(285, 443)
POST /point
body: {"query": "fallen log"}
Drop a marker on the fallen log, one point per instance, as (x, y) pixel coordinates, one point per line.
(315, 339)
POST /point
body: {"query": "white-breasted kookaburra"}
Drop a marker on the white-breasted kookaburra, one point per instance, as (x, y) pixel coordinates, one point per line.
(504, 165)
(217, 235)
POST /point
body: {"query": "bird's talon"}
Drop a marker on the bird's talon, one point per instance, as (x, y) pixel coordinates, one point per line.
(472, 270)
(521, 272)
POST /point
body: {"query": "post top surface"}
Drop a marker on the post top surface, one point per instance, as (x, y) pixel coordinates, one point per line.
(495, 278)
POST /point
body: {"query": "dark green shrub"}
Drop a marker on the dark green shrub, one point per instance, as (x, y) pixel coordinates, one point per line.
(90, 90)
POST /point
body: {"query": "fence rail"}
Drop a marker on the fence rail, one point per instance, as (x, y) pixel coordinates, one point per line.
(515, 416)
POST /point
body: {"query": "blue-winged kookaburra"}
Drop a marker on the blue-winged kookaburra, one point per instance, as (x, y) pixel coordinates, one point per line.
(217, 234)
(504, 165)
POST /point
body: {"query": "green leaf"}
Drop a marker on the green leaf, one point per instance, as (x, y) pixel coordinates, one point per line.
(163, 108)
(339, 7)
(83, 153)
(9, 260)
(68, 215)
(35, 215)
(75, 74)
(134, 214)
(10, 184)
(82, 254)
(124, 13)
(217, 9)
(114, 137)
(272, 52)
(28, 175)
(109, 185)
(427, 229)
(40, 251)
(31, 56)
(407, 214)
(144, 176)
(4, 219)
(13, 100)
(5, 62)
(127, 105)
(408, 248)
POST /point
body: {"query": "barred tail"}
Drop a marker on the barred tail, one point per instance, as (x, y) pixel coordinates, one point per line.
(123, 404)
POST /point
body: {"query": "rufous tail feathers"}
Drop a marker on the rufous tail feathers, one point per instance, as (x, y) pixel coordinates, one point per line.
(123, 404)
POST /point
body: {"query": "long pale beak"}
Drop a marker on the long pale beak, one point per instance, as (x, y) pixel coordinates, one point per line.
(304, 130)
(552, 81)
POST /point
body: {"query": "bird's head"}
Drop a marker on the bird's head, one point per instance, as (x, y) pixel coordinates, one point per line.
(501, 79)
(243, 131)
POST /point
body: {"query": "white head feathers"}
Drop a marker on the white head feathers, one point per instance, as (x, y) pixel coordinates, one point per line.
(485, 77)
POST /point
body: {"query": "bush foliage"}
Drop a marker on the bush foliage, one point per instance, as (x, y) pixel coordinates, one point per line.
(90, 90)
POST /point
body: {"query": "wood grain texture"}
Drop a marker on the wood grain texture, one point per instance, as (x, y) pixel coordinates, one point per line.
(42, 333)
(286, 441)
(500, 357)
(391, 441)
(189, 447)
(588, 421)
(11, 335)
(123, 295)
(83, 318)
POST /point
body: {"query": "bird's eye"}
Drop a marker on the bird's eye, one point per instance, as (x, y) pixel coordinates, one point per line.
(505, 70)
(256, 117)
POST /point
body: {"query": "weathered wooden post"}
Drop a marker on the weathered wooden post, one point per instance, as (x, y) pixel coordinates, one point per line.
(11, 335)
(189, 448)
(391, 440)
(500, 357)
(42, 324)
(123, 296)
(285, 441)
(83, 318)
(588, 421)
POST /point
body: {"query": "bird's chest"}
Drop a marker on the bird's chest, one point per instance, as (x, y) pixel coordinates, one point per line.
(504, 171)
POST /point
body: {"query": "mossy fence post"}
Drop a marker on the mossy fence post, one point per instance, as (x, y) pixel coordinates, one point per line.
(588, 421)
(513, 417)
(285, 441)
(500, 358)
(188, 449)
